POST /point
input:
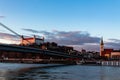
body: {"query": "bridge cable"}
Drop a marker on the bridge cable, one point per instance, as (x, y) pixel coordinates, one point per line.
(13, 31)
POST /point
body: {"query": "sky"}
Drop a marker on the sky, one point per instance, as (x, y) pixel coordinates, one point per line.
(78, 23)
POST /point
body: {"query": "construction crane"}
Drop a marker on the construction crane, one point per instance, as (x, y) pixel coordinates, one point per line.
(13, 31)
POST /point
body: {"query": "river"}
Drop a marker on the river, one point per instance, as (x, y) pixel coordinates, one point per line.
(71, 72)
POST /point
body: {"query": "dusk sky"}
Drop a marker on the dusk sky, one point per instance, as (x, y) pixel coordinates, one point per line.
(78, 23)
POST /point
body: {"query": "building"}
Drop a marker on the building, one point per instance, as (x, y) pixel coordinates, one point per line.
(115, 54)
(83, 51)
(32, 40)
(108, 52)
(101, 47)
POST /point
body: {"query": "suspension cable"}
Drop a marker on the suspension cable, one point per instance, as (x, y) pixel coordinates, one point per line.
(12, 31)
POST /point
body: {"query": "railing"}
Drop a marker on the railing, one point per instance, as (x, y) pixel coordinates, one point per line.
(110, 63)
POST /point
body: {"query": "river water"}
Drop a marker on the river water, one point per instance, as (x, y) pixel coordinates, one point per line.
(71, 72)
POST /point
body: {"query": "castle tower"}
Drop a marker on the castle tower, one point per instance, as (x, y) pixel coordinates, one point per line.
(101, 46)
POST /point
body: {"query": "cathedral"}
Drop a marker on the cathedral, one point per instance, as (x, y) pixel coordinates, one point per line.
(108, 52)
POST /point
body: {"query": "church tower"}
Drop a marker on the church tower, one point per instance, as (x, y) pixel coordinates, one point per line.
(101, 46)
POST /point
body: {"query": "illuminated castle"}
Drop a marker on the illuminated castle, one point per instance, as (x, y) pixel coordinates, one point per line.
(32, 40)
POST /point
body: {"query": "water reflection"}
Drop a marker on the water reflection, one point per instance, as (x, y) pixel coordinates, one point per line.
(76, 72)
(43, 74)
(72, 73)
(7, 74)
(17, 71)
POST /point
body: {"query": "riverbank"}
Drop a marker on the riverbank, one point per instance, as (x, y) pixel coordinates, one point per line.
(38, 61)
(17, 66)
(110, 63)
(100, 63)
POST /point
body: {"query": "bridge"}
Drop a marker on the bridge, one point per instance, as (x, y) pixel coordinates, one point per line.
(22, 49)
(21, 53)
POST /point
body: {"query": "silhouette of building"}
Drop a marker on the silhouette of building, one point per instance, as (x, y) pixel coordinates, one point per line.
(83, 51)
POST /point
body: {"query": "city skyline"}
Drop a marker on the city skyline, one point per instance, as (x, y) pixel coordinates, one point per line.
(79, 23)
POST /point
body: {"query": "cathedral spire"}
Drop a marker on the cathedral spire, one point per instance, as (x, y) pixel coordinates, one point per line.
(101, 42)
(101, 46)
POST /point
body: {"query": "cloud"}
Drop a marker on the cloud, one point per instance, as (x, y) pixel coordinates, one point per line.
(87, 47)
(31, 30)
(67, 38)
(77, 39)
(7, 35)
(114, 40)
(113, 43)
(9, 38)
(73, 37)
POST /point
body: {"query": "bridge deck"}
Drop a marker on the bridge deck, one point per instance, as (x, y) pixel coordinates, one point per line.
(22, 49)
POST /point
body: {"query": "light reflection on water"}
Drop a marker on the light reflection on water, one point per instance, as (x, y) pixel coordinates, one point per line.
(6, 74)
(74, 72)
